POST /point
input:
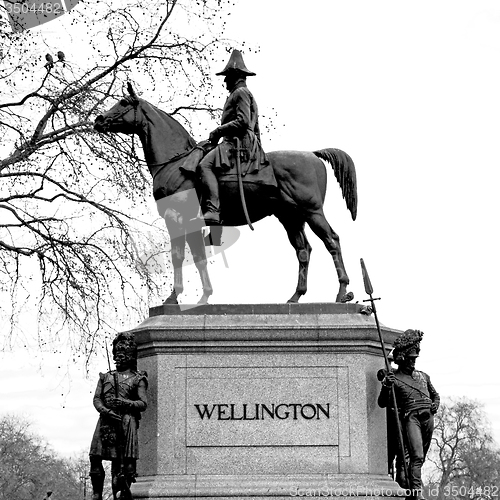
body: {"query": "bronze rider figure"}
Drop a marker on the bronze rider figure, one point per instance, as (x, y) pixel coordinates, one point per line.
(239, 120)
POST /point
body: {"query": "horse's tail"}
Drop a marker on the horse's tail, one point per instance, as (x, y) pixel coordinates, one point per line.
(345, 172)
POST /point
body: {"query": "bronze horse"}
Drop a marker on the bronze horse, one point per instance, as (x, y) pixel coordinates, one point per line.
(301, 178)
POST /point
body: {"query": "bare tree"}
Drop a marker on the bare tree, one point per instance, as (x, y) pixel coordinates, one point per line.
(464, 459)
(80, 466)
(29, 468)
(74, 205)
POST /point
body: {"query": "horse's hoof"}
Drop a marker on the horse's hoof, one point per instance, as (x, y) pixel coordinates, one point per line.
(203, 300)
(172, 300)
(347, 297)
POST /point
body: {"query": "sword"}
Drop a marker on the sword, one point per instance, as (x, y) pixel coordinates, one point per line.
(240, 182)
(401, 447)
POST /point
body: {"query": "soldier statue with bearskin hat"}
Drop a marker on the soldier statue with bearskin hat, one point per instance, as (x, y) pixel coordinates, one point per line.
(417, 401)
(120, 397)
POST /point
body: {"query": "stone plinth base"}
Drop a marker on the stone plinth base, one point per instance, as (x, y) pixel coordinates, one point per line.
(267, 401)
(265, 487)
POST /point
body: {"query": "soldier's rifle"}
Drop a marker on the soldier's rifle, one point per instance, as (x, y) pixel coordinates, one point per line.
(401, 446)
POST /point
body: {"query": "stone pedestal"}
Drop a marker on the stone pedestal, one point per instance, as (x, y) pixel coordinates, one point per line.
(266, 401)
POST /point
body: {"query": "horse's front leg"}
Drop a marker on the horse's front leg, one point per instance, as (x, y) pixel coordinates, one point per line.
(197, 245)
(178, 249)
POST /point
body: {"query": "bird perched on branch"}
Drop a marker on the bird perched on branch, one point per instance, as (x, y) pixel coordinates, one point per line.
(61, 58)
(50, 62)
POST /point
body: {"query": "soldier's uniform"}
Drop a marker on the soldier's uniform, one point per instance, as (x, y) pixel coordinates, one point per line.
(239, 120)
(417, 401)
(120, 397)
(132, 388)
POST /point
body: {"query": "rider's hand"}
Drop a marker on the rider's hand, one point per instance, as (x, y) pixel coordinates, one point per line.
(214, 136)
(434, 408)
(388, 380)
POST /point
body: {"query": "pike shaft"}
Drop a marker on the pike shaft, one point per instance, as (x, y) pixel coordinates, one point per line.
(402, 454)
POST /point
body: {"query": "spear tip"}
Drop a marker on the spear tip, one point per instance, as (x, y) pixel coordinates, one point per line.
(366, 279)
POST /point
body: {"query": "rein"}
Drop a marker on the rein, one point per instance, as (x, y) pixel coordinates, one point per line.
(162, 164)
(174, 158)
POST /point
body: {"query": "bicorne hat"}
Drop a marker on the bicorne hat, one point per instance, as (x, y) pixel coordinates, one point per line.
(236, 64)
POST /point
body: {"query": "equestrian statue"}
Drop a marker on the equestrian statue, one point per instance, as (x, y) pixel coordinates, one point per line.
(234, 182)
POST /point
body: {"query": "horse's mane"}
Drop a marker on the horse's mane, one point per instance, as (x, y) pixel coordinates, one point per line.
(150, 110)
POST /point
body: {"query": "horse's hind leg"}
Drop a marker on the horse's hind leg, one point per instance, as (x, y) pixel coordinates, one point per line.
(297, 237)
(318, 223)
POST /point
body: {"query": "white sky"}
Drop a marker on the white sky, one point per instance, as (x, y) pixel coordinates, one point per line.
(411, 92)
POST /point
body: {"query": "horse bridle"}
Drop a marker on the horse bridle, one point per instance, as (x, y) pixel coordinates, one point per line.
(133, 103)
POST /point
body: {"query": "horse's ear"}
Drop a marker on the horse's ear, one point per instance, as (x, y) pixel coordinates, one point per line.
(131, 91)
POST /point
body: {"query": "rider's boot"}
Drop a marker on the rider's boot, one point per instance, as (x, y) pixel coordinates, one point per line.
(211, 212)
(214, 237)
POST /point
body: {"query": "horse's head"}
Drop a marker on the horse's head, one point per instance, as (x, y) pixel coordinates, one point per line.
(162, 136)
(122, 117)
